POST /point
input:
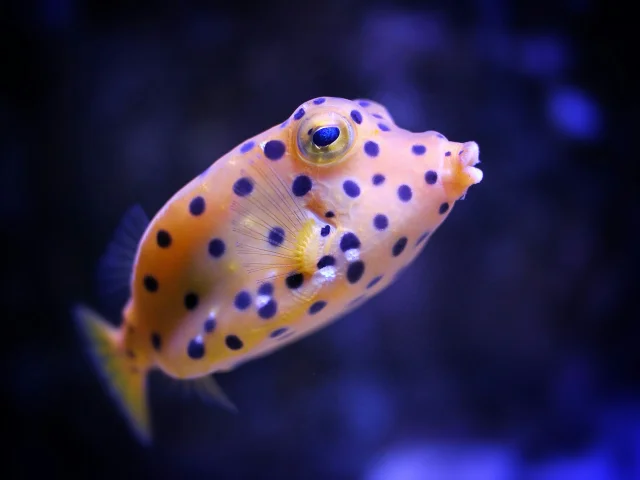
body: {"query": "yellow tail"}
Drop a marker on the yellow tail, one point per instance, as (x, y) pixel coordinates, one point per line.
(127, 385)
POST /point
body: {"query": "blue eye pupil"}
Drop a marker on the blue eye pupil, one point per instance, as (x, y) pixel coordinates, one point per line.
(326, 136)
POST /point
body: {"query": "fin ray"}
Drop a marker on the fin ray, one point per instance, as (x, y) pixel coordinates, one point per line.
(209, 390)
(254, 217)
(116, 264)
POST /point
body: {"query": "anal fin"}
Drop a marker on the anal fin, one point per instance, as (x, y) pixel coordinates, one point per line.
(209, 390)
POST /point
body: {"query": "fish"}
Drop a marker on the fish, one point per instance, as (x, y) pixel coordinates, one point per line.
(287, 232)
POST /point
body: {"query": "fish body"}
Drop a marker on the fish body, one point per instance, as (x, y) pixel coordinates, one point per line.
(288, 231)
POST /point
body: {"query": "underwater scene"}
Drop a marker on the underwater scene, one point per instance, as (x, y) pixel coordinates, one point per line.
(369, 240)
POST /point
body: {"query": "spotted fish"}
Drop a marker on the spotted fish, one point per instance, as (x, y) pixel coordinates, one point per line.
(285, 233)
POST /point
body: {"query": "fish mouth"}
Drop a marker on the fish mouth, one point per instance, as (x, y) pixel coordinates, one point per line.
(469, 157)
(461, 171)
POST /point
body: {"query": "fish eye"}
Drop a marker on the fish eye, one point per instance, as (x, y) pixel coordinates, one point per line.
(325, 138)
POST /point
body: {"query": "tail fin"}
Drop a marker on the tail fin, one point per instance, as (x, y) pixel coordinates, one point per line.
(126, 385)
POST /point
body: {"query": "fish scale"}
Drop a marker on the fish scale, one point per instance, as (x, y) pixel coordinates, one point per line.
(287, 232)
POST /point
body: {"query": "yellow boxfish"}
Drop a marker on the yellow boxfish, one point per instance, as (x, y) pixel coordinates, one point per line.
(288, 231)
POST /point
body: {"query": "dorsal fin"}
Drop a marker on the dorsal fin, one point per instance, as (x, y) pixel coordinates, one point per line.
(275, 237)
(116, 264)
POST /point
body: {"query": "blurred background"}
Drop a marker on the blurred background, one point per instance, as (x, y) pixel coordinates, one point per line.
(508, 351)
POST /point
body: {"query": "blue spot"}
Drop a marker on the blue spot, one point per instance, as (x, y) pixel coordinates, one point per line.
(377, 115)
(285, 123)
(242, 300)
(265, 289)
(276, 236)
(163, 238)
(195, 348)
(268, 310)
(299, 114)
(355, 271)
(274, 149)
(371, 148)
(191, 301)
(216, 248)
(380, 221)
(243, 186)
(277, 332)
(156, 341)
(319, 101)
(431, 177)
(326, 261)
(150, 283)
(324, 231)
(317, 306)
(233, 342)
(196, 207)
(364, 103)
(246, 147)
(447, 154)
(357, 116)
(383, 127)
(329, 214)
(422, 238)
(399, 246)
(574, 113)
(443, 208)
(378, 179)
(294, 280)
(348, 241)
(404, 193)
(326, 136)
(419, 149)
(374, 282)
(351, 188)
(210, 324)
(301, 185)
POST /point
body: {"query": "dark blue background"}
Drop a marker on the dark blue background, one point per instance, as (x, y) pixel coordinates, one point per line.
(509, 350)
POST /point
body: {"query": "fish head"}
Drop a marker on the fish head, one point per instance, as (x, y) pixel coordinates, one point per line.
(369, 173)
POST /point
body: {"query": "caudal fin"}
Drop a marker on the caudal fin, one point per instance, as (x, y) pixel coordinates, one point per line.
(126, 384)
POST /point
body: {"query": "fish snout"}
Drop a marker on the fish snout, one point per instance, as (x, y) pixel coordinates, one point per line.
(463, 170)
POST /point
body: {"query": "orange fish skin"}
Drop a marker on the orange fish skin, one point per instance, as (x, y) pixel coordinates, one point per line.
(186, 267)
(285, 233)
